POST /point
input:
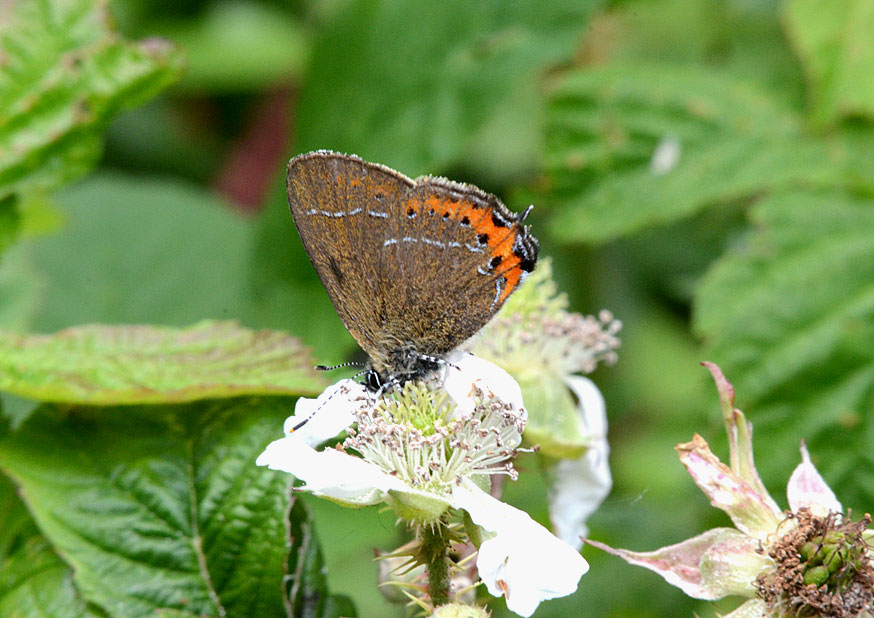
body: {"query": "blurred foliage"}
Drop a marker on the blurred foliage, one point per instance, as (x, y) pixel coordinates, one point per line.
(419, 81)
(834, 43)
(63, 74)
(701, 168)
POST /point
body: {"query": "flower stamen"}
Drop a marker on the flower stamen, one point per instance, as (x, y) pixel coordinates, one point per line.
(419, 435)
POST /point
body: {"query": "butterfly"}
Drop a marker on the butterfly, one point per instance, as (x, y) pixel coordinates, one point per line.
(413, 267)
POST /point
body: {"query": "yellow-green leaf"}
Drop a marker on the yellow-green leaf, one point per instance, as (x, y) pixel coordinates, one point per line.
(103, 365)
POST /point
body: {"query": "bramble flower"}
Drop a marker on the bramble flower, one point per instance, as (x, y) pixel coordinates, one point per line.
(428, 450)
(808, 561)
(545, 347)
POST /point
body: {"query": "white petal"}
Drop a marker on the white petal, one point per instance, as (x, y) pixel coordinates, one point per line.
(328, 415)
(522, 561)
(808, 489)
(580, 485)
(465, 372)
(329, 473)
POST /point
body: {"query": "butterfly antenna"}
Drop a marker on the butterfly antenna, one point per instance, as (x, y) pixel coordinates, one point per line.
(340, 366)
(438, 361)
(325, 402)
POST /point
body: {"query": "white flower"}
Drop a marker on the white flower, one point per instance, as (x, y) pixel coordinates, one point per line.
(426, 451)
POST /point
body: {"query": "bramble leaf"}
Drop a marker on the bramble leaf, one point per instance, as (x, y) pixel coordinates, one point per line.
(101, 365)
(790, 318)
(37, 584)
(638, 146)
(64, 73)
(159, 508)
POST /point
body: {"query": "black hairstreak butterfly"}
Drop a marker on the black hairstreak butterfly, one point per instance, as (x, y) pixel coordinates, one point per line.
(413, 267)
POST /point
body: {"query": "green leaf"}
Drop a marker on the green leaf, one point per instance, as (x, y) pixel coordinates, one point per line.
(731, 142)
(64, 73)
(160, 507)
(306, 584)
(835, 41)
(415, 81)
(239, 45)
(35, 583)
(100, 365)
(790, 319)
(141, 251)
(16, 524)
(9, 221)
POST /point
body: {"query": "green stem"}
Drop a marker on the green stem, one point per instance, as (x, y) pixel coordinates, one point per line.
(435, 547)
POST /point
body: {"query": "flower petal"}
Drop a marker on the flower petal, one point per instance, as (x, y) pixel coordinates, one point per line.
(327, 415)
(580, 485)
(752, 512)
(807, 488)
(465, 372)
(522, 561)
(718, 563)
(330, 473)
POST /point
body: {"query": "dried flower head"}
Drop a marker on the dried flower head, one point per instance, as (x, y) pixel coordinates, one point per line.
(822, 567)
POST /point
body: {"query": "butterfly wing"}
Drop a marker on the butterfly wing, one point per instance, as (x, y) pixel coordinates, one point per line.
(341, 206)
(409, 265)
(455, 247)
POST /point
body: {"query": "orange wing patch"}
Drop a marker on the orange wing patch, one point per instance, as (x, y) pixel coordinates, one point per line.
(499, 239)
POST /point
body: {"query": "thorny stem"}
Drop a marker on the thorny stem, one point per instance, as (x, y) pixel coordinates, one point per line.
(435, 547)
